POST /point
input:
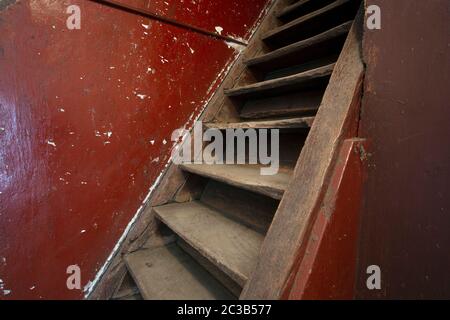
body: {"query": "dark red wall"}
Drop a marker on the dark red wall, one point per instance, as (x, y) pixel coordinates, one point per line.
(79, 148)
(406, 114)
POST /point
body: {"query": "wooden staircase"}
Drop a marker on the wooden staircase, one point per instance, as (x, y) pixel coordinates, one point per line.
(219, 231)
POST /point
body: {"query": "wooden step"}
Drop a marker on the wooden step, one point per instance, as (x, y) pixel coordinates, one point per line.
(288, 123)
(312, 24)
(323, 44)
(220, 276)
(169, 273)
(300, 8)
(232, 247)
(244, 176)
(302, 104)
(309, 79)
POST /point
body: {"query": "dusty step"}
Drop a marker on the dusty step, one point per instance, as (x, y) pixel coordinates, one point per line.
(301, 8)
(220, 276)
(322, 44)
(312, 24)
(245, 176)
(232, 247)
(169, 273)
(289, 123)
(304, 103)
(308, 79)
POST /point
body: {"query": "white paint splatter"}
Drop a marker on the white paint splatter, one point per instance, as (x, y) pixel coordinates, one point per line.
(146, 26)
(219, 30)
(50, 142)
(238, 47)
(141, 96)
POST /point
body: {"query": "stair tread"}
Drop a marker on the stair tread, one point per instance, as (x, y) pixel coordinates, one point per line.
(278, 83)
(302, 122)
(231, 246)
(300, 8)
(297, 47)
(245, 176)
(168, 273)
(305, 18)
(292, 7)
(288, 105)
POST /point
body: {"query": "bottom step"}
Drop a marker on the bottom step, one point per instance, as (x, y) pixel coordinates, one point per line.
(169, 273)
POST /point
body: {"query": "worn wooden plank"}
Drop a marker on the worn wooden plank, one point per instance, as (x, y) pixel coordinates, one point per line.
(302, 80)
(284, 243)
(304, 50)
(232, 247)
(222, 277)
(295, 104)
(244, 176)
(287, 123)
(300, 8)
(168, 273)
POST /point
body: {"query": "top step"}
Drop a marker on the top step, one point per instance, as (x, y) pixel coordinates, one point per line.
(323, 44)
(312, 24)
(301, 8)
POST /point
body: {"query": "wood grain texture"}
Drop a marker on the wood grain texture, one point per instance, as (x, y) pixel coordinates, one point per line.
(244, 176)
(286, 123)
(283, 244)
(222, 277)
(232, 247)
(298, 80)
(169, 273)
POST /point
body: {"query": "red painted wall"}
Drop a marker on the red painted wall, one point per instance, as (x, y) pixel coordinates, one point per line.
(405, 226)
(86, 118)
